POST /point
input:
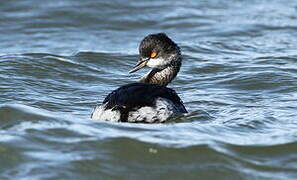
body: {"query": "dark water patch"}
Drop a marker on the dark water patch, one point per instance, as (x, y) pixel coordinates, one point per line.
(12, 115)
(260, 81)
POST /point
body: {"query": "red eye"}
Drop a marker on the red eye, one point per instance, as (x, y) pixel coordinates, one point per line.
(153, 54)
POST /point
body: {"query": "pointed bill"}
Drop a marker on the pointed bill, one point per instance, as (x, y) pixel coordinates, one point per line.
(139, 65)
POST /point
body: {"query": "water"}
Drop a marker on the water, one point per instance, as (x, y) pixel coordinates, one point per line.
(58, 59)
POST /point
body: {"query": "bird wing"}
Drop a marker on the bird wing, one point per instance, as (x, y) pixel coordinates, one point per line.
(138, 95)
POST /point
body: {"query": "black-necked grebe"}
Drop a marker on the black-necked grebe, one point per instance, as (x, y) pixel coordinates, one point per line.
(148, 101)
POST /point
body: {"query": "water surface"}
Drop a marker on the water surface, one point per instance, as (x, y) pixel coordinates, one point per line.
(58, 59)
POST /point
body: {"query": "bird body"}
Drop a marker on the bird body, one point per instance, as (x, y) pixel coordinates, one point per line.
(148, 101)
(140, 102)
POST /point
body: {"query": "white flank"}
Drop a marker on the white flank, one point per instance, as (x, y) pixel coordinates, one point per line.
(163, 110)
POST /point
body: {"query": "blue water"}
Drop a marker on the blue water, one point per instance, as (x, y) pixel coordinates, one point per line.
(58, 59)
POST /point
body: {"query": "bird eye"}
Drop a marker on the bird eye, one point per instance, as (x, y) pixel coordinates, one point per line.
(153, 54)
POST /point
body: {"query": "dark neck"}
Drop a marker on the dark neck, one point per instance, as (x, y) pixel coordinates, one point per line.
(162, 77)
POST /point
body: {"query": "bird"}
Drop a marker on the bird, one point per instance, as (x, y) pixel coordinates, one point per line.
(149, 100)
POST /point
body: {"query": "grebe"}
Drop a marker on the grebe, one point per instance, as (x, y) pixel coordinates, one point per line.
(148, 101)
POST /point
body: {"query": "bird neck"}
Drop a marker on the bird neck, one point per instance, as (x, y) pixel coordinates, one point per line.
(162, 76)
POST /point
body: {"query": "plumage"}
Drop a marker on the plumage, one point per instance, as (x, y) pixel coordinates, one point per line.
(147, 101)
